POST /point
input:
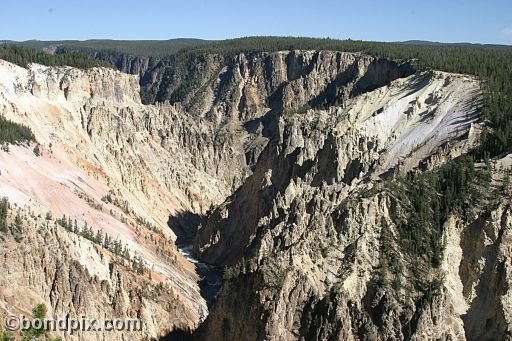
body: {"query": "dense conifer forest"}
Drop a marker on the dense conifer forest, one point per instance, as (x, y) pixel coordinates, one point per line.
(11, 132)
(23, 56)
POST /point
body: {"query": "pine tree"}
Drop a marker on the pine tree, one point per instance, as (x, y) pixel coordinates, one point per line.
(18, 222)
(98, 238)
(107, 242)
(4, 207)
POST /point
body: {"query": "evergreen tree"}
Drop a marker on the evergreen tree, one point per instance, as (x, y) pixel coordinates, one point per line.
(98, 238)
(11, 132)
(4, 207)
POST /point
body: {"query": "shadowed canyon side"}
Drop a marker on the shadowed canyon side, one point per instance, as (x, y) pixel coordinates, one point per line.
(301, 173)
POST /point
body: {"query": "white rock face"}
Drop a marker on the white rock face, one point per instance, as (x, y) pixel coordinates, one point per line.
(97, 141)
(417, 115)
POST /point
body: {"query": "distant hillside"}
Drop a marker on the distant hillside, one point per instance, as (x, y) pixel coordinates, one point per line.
(145, 48)
(426, 42)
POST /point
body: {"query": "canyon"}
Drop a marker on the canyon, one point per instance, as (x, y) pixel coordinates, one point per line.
(281, 168)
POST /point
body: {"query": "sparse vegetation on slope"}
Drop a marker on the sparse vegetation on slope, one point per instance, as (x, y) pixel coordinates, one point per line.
(11, 132)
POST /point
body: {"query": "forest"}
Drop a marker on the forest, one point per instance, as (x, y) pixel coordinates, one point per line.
(23, 56)
(136, 48)
(11, 132)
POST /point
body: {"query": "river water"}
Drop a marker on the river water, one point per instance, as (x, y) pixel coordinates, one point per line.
(210, 275)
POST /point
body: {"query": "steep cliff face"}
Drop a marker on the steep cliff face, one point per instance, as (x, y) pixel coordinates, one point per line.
(77, 278)
(133, 65)
(95, 119)
(246, 86)
(329, 153)
(338, 287)
(247, 93)
(317, 244)
(109, 164)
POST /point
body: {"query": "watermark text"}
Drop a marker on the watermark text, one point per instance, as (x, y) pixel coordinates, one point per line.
(23, 323)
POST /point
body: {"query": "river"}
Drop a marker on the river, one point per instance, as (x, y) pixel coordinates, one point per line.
(210, 275)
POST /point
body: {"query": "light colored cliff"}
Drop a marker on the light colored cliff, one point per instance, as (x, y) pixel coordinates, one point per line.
(332, 153)
(110, 163)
